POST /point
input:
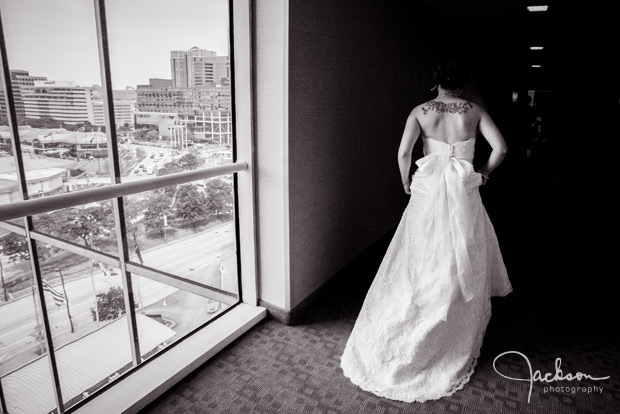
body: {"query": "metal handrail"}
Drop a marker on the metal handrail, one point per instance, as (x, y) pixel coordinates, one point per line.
(25, 208)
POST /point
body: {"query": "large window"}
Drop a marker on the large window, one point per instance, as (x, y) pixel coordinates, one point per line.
(119, 192)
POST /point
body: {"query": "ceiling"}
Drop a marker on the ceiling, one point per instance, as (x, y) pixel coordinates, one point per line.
(578, 38)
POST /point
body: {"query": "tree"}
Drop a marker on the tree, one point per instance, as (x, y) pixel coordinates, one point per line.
(87, 224)
(191, 205)
(88, 127)
(190, 161)
(16, 248)
(90, 225)
(219, 196)
(111, 304)
(133, 212)
(170, 167)
(38, 333)
(43, 122)
(146, 134)
(140, 134)
(124, 128)
(6, 147)
(156, 207)
(152, 135)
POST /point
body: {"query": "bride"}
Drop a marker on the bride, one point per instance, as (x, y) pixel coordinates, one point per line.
(420, 329)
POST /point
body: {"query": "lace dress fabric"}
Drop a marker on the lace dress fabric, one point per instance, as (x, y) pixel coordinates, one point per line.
(420, 329)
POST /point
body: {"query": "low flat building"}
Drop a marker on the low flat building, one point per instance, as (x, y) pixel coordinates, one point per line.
(44, 176)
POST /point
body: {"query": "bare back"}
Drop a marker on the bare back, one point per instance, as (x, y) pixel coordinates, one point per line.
(448, 119)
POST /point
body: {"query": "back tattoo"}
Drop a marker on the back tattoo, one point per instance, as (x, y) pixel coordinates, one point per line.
(450, 108)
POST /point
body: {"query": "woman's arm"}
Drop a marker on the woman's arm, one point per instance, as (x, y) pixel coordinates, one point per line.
(410, 136)
(498, 145)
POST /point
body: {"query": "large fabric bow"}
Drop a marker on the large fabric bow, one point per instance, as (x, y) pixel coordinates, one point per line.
(449, 231)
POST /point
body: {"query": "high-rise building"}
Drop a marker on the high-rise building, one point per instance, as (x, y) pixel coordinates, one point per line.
(198, 67)
(205, 70)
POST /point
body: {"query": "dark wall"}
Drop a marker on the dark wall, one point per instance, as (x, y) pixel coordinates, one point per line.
(356, 69)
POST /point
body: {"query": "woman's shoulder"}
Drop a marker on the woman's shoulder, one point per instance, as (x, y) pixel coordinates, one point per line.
(456, 106)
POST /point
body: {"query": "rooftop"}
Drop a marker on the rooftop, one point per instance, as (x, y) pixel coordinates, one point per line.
(33, 163)
(105, 351)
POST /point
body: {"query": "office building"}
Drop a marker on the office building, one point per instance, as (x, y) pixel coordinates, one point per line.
(63, 101)
(123, 112)
(204, 110)
(22, 82)
(198, 67)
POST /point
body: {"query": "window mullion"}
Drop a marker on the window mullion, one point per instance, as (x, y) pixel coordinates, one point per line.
(51, 353)
(121, 236)
(3, 407)
(12, 116)
(28, 224)
(119, 216)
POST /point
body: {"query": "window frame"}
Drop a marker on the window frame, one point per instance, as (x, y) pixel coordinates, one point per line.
(243, 186)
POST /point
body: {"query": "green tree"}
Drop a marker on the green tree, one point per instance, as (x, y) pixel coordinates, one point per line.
(111, 305)
(155, 208)
(190, 206)
(219, 196)
(190, 161)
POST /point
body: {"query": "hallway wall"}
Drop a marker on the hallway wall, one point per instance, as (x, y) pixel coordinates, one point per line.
(328, 181)
(354, 78)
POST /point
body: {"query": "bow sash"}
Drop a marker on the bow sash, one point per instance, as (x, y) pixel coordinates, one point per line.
(449, 232)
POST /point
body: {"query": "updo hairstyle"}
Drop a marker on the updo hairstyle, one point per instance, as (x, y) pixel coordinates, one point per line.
(449, 73)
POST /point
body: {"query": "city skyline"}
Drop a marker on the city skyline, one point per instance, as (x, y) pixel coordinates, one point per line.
(136, 56)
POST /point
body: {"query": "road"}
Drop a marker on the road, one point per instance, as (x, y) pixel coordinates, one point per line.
(160, 156)
(196, 257)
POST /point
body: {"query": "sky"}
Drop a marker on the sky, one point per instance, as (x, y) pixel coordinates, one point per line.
(58, 39)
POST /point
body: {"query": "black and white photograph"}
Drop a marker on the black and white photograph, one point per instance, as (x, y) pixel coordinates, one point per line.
(308, 207)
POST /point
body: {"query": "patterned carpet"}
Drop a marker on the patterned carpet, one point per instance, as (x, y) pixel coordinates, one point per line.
(295, 369)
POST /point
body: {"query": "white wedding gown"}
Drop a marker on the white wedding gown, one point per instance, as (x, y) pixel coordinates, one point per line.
(420, 329)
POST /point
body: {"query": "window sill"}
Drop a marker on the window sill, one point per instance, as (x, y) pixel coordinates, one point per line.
(135, 392)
